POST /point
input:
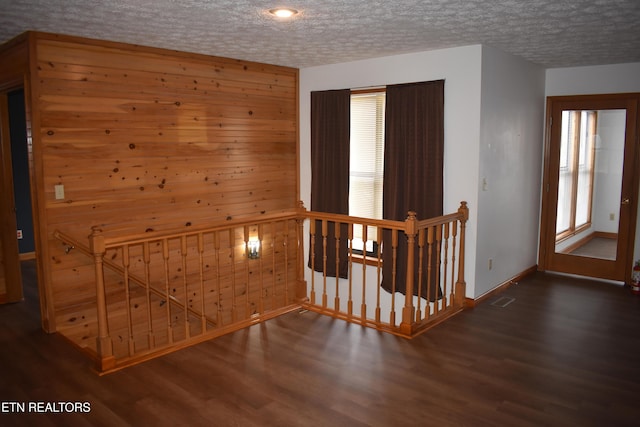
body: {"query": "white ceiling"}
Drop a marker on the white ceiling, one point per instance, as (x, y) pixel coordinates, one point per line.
(552, 33)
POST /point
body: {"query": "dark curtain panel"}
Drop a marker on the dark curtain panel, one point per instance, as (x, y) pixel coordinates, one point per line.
(413, 170)
(330, 129)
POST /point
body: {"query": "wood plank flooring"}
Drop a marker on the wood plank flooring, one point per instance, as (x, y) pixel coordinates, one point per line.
(551, 351)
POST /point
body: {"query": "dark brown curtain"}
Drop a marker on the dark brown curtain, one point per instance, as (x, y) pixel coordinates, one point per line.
(413, 170)
(330, 129)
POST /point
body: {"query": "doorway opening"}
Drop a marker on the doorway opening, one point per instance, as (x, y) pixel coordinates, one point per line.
(18, 233)
(590, 187)
(21, 175)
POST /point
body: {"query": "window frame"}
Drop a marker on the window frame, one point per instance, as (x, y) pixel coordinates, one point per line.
(574, 170)
(360, 254)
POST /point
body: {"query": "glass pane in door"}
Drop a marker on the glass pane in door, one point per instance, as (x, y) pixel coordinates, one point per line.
(589, 185)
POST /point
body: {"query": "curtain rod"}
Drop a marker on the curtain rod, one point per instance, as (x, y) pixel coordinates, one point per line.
(368, 89)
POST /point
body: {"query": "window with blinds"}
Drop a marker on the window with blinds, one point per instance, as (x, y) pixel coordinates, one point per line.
(366, 164)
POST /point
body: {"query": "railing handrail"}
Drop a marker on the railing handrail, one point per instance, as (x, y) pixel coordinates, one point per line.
(388, 223)
(430, 222)
(347, 219)
(132, 239)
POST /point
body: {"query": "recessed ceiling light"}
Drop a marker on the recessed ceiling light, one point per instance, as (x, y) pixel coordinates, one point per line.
(283, 12)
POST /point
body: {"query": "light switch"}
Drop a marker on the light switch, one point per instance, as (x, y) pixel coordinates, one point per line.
(59, 189)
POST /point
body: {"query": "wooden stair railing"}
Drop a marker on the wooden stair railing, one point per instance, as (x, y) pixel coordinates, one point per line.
(162, 291)
(440, 240)
(72, 243)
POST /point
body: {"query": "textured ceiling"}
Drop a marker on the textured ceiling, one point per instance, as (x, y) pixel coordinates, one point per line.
(552, 33)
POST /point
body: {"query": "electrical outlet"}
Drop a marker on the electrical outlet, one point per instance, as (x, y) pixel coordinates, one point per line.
(490, 263)
(19, 234)
(612, 217)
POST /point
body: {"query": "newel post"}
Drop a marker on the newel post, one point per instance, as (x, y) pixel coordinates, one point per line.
(104, 348)
(461, 285)
(301, 288)
(409, 309)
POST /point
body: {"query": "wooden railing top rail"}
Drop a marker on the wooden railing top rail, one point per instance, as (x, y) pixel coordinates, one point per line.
(442, 219)
(113, 238)
(346, 219)
(461, 214)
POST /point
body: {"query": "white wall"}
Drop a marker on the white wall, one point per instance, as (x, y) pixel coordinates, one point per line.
(510, 169)
(460, 67)
(493, 130)
(616, 78)
(494, 109)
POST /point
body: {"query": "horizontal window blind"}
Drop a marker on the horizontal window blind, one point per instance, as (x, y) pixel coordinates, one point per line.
(367, 161)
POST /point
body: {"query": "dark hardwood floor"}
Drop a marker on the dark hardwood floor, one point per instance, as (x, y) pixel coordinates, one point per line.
(551, 351)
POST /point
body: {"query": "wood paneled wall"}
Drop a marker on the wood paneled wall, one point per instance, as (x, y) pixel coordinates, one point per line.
(147, 139)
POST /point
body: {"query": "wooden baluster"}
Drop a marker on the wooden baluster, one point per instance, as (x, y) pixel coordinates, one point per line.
(216, 251)
(433, 306)
(286, 261)
(203, 317)
(104, 345)
(127, 295)
(167, 294)
(312, 253)
(151, 339)
(350, 296)
(421, 236)
(442, 303)
(261, 267)
(247, 306)
(445, 267)
(394, 269)
(454, 235)
(285, 248)
(363, 304)
(324, 263)
(185, 285)
(378, 274)
(274, 275)
(232, 250)
(336, 301)
(408, 310)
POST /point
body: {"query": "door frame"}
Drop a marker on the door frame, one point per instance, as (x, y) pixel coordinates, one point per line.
(8, 226)
(548, 259)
